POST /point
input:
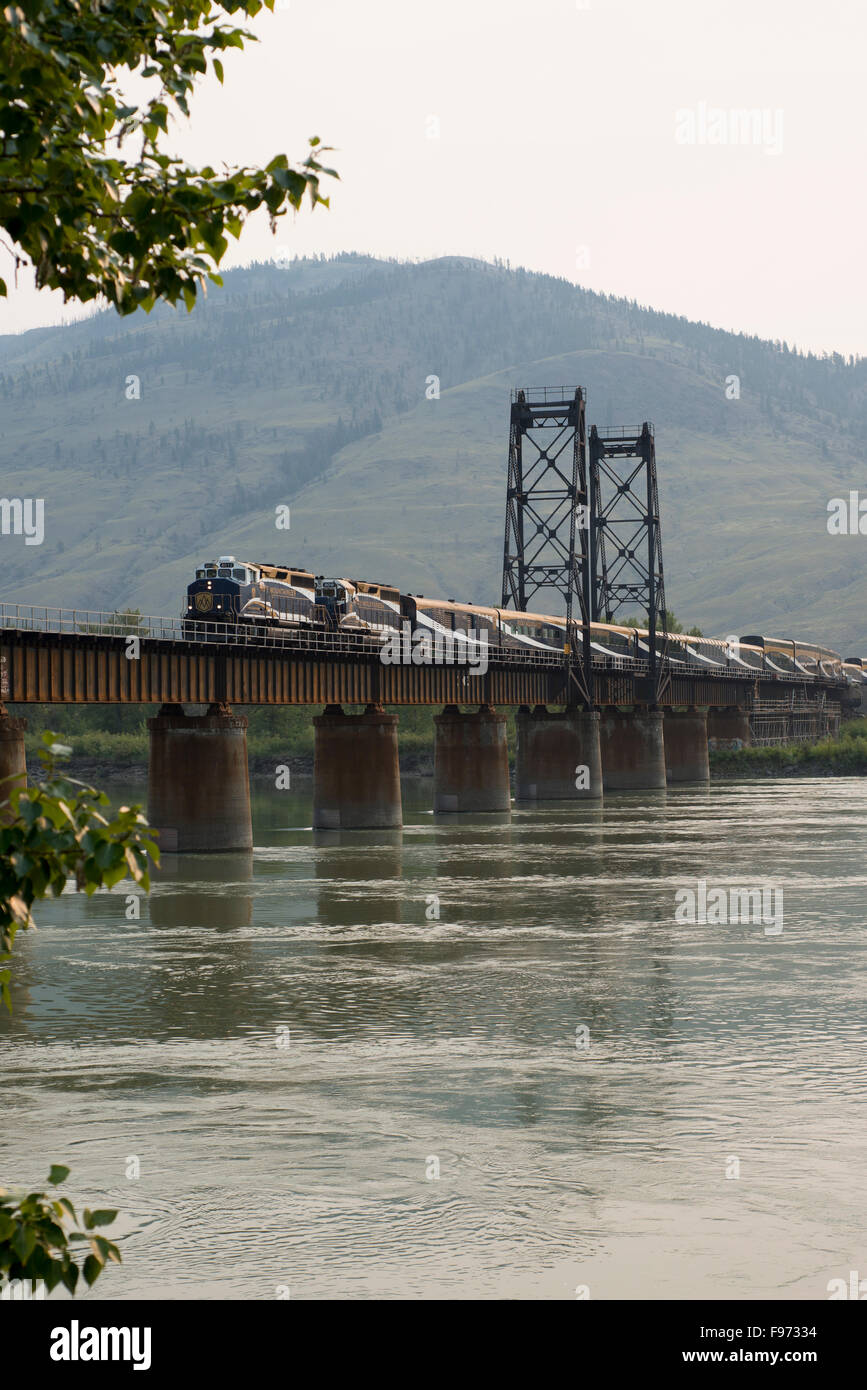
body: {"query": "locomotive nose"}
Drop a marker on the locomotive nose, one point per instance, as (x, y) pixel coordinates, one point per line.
(212, 599)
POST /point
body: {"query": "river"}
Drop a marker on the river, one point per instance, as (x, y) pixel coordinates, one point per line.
(477, 1058)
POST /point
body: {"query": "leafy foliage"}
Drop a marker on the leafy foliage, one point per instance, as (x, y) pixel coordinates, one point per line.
(123, 622)
(35, 1238)
(93, 215)
(57, 832)
(843, 756)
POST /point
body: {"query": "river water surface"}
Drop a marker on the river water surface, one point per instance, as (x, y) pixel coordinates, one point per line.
(293, 1078)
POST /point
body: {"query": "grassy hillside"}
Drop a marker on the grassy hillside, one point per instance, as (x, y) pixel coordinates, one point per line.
(305, 384)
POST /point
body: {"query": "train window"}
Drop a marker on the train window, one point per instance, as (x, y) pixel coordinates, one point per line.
(200, 574)
(240, 574)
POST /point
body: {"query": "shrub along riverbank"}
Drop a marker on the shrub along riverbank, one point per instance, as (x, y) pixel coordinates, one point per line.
(844, 756)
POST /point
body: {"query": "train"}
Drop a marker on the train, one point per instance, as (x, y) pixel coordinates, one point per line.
(263, 597)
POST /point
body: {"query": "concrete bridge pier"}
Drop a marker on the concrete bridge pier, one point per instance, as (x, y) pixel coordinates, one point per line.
(558, 755)
(633, 749)
(729, 728)
(13, 767)
(685, 738)
(471, 761)
(356, 775)
(198, 780)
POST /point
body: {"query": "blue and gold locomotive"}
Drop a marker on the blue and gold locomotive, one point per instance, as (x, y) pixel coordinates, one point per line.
(235, 592)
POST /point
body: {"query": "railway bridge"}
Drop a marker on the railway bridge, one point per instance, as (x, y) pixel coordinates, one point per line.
(639, 731)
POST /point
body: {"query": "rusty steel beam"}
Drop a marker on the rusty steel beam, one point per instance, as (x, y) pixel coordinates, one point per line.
(70, 668)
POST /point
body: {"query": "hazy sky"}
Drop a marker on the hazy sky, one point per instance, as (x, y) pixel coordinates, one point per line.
(595, 140)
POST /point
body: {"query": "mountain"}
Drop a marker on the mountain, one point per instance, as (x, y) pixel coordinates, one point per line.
(304, 383)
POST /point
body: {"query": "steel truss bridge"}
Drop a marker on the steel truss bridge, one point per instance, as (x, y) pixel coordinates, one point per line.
(76, 656)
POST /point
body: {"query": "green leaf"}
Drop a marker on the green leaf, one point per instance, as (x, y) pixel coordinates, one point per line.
(52, 1234)
(58, 1174)
(23, 1242)
(102, 1217)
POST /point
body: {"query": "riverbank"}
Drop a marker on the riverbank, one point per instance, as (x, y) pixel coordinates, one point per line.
(103, 771)
(843, 756)
(102, 756)
(110, 743)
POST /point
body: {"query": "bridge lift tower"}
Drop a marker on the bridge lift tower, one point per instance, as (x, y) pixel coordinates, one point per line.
(584, 537)
(626, 574)
(546, 555)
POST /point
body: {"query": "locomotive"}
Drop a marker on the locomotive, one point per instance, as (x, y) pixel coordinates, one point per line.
(231, 592)
(261, 597)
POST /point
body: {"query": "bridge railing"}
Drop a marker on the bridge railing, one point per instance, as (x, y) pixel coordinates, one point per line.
(25, 617)
(84, 622)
